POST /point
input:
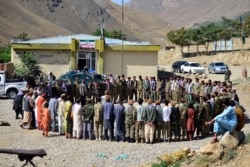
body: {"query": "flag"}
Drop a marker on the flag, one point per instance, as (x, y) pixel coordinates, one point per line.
(242, 32)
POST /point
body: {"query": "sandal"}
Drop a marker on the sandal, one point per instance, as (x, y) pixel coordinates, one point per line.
(214, 141)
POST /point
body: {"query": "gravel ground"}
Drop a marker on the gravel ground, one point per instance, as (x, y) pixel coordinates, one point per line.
(70, 152)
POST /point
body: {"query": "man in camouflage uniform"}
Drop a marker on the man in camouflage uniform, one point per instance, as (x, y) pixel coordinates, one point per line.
(146, 88)
(183, 111)
(159, 89)
(217, 104)
(227, 75)
(167, 89)
(206, 111)
(88, 115)
(130, 119)
(140, 87)
(98, 119)
(196, 88)
(209, 87)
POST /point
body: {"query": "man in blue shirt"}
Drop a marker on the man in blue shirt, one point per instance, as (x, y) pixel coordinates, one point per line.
(224, 122)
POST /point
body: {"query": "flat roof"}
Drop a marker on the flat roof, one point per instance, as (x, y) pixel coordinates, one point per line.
(60, 39)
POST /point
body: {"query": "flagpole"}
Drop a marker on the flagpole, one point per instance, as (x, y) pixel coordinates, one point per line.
(122, 36)
(244, 70)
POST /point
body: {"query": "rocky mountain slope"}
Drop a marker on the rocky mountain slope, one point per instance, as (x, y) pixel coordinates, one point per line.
(189, 12)
(45, 18)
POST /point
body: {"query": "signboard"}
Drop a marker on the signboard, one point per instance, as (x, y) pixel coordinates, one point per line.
(87, 44)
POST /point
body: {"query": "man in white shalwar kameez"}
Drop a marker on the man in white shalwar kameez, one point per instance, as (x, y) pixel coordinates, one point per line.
(77, 119)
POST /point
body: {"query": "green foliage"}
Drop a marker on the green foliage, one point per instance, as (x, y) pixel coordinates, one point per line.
(5, 54)
(203, 161)
(229, 154)
(210, 32)
(179, 37)
(247, 138)
(97, 32)
(28, 69)
(22, 36)
(163, 163)
(116, 34)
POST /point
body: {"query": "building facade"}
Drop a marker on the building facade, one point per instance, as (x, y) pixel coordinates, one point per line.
(110, 56)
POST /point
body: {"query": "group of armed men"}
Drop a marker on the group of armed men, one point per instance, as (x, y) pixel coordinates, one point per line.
(160, 115)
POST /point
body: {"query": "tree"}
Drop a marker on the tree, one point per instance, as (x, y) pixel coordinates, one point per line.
(210, 33)
(5, 54)
(22, 36)
(116, 34)
(179, 38)
(28, 68)
(97, 32)
(196, 38)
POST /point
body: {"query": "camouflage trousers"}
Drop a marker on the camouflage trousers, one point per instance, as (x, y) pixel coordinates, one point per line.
(98, 127)
(130, 131)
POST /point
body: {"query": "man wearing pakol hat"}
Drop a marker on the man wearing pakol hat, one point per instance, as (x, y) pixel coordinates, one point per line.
(149, 117)
(130, 119)
(88, 116)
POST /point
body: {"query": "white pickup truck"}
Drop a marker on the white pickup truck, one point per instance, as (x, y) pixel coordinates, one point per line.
(10, 88)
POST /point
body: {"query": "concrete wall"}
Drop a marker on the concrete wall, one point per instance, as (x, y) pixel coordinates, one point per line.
(55, 61)
(134, 63)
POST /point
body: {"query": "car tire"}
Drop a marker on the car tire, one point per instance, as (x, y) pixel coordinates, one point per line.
(11, 94)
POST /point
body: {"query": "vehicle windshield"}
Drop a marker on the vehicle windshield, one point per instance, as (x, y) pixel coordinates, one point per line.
(195, 65)
(219, 64)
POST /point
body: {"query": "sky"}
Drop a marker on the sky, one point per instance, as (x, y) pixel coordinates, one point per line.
(119, 2)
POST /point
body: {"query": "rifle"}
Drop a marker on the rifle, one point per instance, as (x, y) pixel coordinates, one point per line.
(27, 155)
